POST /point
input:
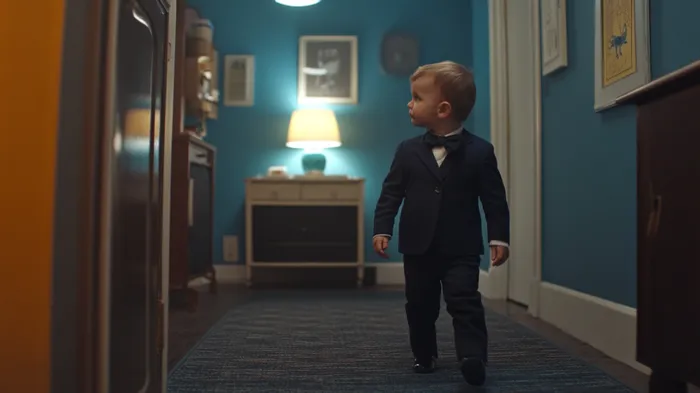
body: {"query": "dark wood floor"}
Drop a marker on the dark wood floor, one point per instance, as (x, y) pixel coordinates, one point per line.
(188, 328)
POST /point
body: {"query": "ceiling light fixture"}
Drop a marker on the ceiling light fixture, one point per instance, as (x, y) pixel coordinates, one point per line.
(298, 3)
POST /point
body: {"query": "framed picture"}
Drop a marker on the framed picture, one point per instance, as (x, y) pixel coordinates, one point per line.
(621, 49)
(554, 46)
(327, 70)
(239, 80)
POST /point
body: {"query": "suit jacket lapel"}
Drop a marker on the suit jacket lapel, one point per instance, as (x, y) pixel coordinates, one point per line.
(448, 163)
(425, 153)
(457, 156)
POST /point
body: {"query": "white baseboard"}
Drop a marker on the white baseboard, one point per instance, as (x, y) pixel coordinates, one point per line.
(230, 274)
(491, 283)
(606, 326)
(388, 273)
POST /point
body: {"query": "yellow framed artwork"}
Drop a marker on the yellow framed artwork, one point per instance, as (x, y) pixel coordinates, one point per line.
(621, 49)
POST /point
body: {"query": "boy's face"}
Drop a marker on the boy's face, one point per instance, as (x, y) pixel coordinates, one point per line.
(427, 106)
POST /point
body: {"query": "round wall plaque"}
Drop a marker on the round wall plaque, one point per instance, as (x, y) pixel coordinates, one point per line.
(399, 54)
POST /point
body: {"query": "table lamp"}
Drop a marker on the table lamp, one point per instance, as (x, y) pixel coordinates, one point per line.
(313, 130)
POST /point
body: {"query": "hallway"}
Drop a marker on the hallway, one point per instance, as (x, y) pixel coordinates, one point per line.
(124, 114)
(356, 341)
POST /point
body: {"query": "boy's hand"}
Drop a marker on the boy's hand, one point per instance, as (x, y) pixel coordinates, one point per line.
(381, 243)
(499, 255)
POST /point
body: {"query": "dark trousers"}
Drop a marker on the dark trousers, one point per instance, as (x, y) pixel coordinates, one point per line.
(458, 277)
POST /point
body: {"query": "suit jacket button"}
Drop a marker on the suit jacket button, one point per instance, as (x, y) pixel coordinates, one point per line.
(437, 190)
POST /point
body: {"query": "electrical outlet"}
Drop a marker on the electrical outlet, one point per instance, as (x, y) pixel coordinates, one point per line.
(230, 248)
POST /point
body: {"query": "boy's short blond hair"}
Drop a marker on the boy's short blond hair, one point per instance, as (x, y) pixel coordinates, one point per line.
(456, 83)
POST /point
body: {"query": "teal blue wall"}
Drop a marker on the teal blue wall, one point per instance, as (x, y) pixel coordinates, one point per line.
(249, 140)
(589, 159)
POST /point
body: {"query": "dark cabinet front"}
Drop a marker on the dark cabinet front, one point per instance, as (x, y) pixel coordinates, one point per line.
(668, 209)
(191, 217)
(200, 230)
(305, 234)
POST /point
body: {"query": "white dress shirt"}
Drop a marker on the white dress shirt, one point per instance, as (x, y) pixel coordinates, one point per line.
(440, 154)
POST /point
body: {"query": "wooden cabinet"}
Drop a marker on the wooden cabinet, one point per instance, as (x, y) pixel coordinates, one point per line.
(668, 213)
(191, 217)
(192, 181)
(305, 222)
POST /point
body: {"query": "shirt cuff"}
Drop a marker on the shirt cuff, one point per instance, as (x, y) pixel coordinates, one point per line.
(381, 234)
(498, 243)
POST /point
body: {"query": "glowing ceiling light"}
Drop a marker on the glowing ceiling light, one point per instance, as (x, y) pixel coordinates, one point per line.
(298, 3)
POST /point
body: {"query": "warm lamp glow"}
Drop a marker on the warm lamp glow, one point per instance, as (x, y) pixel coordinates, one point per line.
(298, 3)
(313, 129)
(138, 123)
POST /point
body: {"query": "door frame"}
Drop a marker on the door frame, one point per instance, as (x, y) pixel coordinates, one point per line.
(498, 60)
(74, 329)
(166, 183)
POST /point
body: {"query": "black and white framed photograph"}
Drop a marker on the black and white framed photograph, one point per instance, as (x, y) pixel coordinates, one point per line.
(239, 80)
(327, 70)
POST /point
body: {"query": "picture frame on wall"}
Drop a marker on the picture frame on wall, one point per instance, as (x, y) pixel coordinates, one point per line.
(327, 70)
(553, 30)
(239, 80)
(621, 56)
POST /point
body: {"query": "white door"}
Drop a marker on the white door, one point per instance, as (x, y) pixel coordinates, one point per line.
(521, 54)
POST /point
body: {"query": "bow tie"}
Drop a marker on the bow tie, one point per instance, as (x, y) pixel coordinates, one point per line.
(450, 143)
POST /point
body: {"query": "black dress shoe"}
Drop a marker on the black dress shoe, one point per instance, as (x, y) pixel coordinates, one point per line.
(423, 366)
(473, 370)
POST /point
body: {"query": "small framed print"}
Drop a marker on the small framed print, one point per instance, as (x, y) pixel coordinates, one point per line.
(239, 80)
(553, 30)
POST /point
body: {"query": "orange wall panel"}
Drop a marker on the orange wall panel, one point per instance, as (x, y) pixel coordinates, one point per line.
(31, 36)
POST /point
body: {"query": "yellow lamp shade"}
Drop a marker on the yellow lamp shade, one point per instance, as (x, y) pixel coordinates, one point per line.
(313, 129)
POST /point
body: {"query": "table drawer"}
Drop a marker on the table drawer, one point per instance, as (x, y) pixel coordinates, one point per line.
(330, 192)
(274, 192)
(199, 155)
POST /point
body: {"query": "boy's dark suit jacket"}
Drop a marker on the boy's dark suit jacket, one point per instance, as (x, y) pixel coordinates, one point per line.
(468, 174)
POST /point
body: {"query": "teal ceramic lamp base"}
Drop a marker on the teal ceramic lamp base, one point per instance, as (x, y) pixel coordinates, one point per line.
(313, 163)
